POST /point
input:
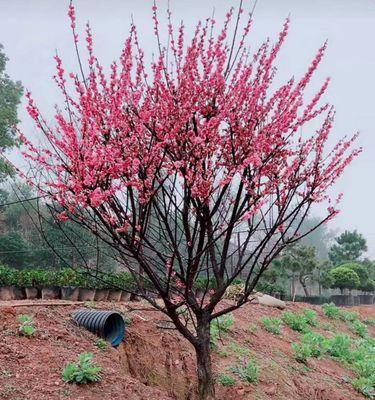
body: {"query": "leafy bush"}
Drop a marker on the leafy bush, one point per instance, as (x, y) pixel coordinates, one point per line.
(84, 371)
(317, 343)
(101, 344)
(8, 276)
(366, 386)
(26, 325)
(219, 326)
(340, 347)
(331, 310)
(248, 372)
(272, 325)
(311, 316)
(227, 381)
(295, 321)
(344, 277)
(348, 316)
(302, 351)
(359, 328)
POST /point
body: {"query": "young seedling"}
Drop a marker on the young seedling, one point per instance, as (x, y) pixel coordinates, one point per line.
(26, 325)
(82, 372)
(227, 381)
(101, 344)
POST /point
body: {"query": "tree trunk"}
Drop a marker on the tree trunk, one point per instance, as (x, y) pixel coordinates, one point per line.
(206, 386)
(304, 286)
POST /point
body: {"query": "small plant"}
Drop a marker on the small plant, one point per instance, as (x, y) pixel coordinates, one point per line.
(247, 372)
(317, 343)
(348, 316)
(365, 367)
(236, 348)
(219, 326)
(227, 381)
(101, 344)
(295, 321)
(311, 316)
(272, 325)
(331, 310)
(366, 386)
(339, 347)
(359, 328)
(26, 325)
(84, 371)
(302, 351)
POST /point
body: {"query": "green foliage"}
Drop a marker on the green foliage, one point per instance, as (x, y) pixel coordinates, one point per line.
(344, 278)
(220, 326)
(13, 249)
(331, 310)
(348, 316)
(8, 276)
(247, 372)
(366, 386)
(302, 352)
(311, 316)
(227, 381)
(272, 325)
(84, 371)
(316, 342)
(359, 328)
(296, 322)
(101, 344)
(236, 348)
(349, 247)
(340, 347)
(26, 327)
(10, 97)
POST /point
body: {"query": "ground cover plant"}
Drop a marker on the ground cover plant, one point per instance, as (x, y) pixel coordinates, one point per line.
(82, 372)
(26, 327)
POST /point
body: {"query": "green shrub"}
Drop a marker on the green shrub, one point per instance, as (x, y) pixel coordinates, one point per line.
(101, 344)
(26, 325)
(302, 351)
(220, 326)
(359, 328)
(365, 367)
(317, 343)
(340, 347)
(272, 325)
(296, 322)
(8, 276)
(331, 310)
(348, 316)
(311, 316)
(248, 372)
(84, 371)
(227, 381)
(366, 386)
(242, 351)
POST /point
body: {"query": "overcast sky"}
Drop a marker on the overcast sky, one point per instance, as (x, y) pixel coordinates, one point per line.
(31, 31)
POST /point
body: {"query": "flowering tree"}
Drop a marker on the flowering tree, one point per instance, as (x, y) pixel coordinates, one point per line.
(193, 168)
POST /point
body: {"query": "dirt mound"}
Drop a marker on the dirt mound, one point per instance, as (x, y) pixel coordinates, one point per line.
(159, 364)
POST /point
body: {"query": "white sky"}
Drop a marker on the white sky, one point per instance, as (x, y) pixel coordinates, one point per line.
(31, 31)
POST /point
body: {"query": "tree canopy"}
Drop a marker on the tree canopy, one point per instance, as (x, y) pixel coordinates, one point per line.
(349, 246)
(10, 97)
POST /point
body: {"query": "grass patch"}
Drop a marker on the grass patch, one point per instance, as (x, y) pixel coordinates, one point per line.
(272, 325)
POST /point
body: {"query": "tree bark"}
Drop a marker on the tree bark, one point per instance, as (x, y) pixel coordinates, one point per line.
(304, 286)
(206, 386)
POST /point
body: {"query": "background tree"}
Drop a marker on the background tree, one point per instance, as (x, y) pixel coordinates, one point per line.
(10, 97)
(350, 247)
(299, 262)
(205, 148)
(343, 277)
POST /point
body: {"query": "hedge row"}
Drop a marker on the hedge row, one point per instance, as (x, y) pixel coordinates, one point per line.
(38, 277)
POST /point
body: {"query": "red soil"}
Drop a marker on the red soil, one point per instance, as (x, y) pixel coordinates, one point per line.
(159, 364)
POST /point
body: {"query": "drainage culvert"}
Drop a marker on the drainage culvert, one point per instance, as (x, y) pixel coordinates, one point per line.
(107, 324)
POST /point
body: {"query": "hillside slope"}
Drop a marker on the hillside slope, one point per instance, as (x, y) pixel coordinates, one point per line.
(157, 363)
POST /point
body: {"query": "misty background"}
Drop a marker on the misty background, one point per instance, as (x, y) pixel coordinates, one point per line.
(33, 30)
